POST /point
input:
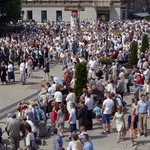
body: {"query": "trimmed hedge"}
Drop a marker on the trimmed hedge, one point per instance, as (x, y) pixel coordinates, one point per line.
(145, 43)
(133, 53)
(81, 78)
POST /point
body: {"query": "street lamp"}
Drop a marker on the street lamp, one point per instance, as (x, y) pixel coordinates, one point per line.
(22, 15)
(79, 8)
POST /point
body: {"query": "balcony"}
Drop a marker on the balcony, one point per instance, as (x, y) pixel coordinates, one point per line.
(94, 3)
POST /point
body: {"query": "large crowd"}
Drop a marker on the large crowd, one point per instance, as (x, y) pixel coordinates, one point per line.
(39, 45)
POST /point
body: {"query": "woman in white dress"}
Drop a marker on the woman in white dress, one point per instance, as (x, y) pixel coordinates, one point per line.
(70, 99)
(22, 72)
(120, 122)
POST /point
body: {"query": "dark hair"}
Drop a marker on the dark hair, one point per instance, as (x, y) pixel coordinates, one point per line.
(88, 95)
(54, 130)
(75, 136)
(13, 116)
(62, 108)
(86, 136)
(61, 148)
(70, 89)
(28, 128)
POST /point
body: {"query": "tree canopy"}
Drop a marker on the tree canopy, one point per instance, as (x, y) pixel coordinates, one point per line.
(10, 10)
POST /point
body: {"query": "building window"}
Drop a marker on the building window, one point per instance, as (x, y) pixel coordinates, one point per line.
(58, 16)
(123, 14)
(43, 16)
(29, 14)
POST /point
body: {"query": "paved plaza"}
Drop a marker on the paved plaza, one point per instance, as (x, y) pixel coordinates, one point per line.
(11, 94)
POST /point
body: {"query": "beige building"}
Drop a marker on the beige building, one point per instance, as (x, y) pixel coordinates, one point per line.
(61, 10)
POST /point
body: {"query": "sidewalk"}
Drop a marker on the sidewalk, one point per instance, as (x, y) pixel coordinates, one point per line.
(18, 92)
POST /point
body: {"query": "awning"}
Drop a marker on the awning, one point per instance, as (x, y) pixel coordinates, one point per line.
(142, 14)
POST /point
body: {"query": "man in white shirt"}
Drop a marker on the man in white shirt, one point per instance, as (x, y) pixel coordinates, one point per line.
(72, 120)
(58, 95)
(107, 109)
(89, 104)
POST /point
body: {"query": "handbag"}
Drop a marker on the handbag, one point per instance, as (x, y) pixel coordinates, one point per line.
(124, 131)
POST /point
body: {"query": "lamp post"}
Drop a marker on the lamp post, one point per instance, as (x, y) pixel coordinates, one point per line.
(22, 15)
(79, 8)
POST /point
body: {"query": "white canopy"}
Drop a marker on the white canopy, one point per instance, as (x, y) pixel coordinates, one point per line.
(142, 14)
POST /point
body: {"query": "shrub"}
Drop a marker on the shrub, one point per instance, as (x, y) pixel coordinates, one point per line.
(106, 60)
(145, 43)
(133, 53)
(81, 78)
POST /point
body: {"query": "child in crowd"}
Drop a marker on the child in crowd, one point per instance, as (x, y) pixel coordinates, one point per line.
(53, 114)
(134, 105)
(97, 111)
(61, 118)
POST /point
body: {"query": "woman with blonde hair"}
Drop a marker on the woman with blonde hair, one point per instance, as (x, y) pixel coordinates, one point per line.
(120, 122)
(133, 125)
(75, 144)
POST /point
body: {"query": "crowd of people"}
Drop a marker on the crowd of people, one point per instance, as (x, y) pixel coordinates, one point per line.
(39, 45)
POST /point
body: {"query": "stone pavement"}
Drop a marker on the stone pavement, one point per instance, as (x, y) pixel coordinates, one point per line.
(11, 94)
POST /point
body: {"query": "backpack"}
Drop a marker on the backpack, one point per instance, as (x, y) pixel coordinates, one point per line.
(115, 105)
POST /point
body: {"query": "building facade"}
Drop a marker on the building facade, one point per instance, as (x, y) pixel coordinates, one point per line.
(61, 10)
(139, 6)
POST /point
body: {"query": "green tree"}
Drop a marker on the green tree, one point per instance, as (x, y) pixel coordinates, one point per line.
(133, 53)
(145, 43)
(81, 78)
(10, 10)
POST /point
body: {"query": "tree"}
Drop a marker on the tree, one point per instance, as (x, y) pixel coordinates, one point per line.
(145, 43)
(10, 10)
(81, 78)
(133, 53)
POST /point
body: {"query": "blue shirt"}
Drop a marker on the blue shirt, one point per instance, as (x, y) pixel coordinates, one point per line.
(97, 111)
(88, 146)
(142, 107)
(131, 78)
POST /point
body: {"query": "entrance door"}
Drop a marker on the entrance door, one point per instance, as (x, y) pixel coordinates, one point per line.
(43, 16)
(103, 15)
(58, 16)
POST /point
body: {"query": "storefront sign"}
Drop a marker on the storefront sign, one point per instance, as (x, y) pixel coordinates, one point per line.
(74, 8)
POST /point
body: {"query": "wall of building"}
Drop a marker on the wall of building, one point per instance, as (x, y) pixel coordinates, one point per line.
(115, 13)
(88, 13)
